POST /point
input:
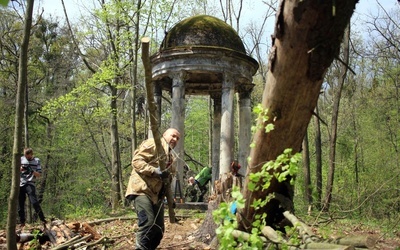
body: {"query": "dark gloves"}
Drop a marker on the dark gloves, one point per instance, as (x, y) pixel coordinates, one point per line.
(27, 169)
(163, 174)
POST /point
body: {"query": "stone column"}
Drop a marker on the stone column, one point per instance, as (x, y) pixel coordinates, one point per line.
(178, 119)
(227, 129)
(216, 135)
(244, 129)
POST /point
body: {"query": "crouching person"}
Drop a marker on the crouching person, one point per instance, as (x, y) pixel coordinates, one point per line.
(146, 188)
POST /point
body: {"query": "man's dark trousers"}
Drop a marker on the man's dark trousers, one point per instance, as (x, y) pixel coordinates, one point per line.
(150, 221)
(29, 190)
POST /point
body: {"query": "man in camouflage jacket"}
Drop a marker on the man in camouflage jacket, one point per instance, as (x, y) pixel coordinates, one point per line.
(145, 188)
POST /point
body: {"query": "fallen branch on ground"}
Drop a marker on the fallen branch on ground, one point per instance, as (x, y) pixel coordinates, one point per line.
(309, 239)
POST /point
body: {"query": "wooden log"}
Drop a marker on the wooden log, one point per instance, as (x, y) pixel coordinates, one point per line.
(272, 235)
(305, 232)
(67, 243)
(246, 236)
(88, 229)
(366, 241)
(51, 236)
(59, 234)
(80, 242)
(98, 222)
(193, 205)
(293, 219)
(319, 245)
(103, 240)
(74, 226)
(75, 240)
(24, 237)
(66, 231)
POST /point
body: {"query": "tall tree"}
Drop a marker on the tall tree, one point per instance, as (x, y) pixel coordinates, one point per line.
(306, 173)
(135, 84)
(318, 159)
(17, 149)
(302, 50)
(9, 44)
(334, 120)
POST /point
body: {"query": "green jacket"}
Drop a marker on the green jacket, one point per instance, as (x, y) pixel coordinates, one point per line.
(143, 180)
(204, 176)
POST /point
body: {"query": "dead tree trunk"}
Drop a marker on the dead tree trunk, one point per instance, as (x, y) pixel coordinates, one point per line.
(306, 39)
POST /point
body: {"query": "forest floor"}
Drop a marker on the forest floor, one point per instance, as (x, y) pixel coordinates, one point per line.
(119, 233)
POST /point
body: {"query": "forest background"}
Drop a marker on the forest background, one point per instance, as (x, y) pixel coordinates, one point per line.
(86, 108)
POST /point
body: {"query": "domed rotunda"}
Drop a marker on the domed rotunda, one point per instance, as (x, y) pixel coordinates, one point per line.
(203, 55)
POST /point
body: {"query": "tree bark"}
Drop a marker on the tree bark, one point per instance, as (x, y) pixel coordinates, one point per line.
(45, 166)
(318, 160)
(306, 172)
(19, 112)
(116, 192)
(307, 37)
(135, 77)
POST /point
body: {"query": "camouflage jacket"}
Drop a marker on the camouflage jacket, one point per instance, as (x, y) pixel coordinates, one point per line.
(143, 179)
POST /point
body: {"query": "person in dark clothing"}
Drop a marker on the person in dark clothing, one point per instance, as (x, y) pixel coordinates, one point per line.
(30, 170)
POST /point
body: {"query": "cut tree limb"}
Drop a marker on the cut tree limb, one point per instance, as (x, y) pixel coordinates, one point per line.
(318, 245)
(305, 232)
(272, 235)
(98, 222)
(154, 124)
(364, 241)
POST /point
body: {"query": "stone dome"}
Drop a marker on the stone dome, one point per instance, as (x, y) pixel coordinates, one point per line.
(203, 30)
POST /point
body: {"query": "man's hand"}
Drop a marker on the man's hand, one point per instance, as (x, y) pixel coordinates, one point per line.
(163, 174)
(26, 169)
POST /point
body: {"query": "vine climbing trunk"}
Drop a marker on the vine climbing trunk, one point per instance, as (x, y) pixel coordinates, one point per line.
(154, 124)
(306, 39)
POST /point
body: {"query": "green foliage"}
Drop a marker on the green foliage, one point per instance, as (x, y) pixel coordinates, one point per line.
(293, 235)
(197, 125)
(227, 220)
(4, 2)
(286, 165)
(35, 244)
(262, 118)
(69, 111)
(85, 212)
